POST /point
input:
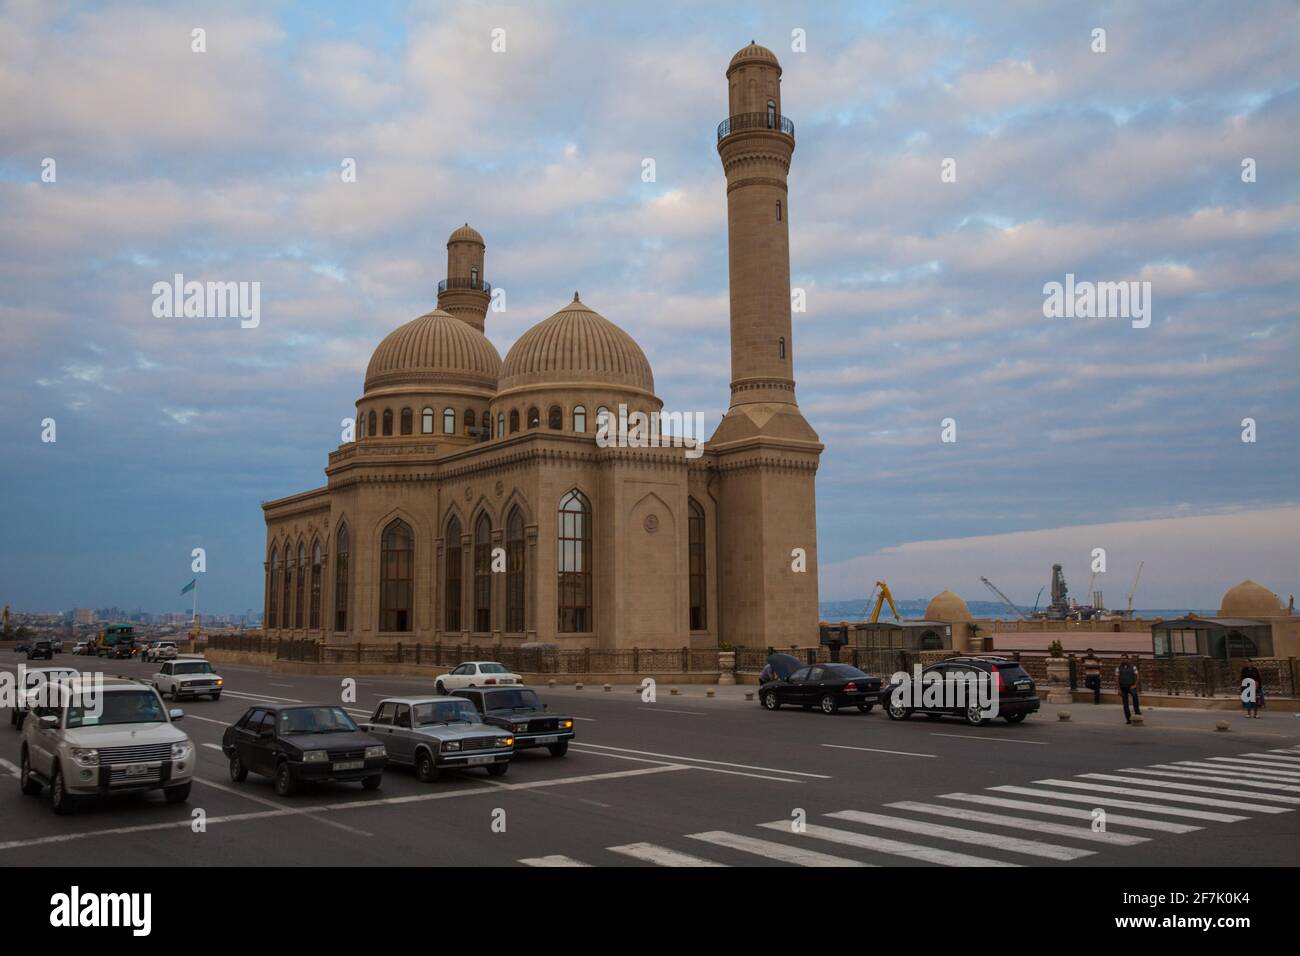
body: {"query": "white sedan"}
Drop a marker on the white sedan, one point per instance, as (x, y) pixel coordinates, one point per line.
(476, 674)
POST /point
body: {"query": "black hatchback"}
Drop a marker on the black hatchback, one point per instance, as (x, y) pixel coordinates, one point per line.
(825, 686)
(953, 688)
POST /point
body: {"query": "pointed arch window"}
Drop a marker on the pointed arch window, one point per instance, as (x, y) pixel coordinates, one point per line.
(452, 576)
(697, 565)
(515, 571)
(299, 592)
(313, 618)
(273, 591)
(449, 421)
(285, 591)
(341, 579)
(483, 574)
(396, 577)
(574, 564)
(426, 421)
(579, 418)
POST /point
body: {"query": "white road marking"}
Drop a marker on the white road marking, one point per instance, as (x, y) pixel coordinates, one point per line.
(667, 710)
(912, 851)
(873, 750)
(591, 719)
(1284, 756)
(581, 748)
(661, 855)
(1021, 823)
(1163, 770)
(269, 684)
(11, 768)
(1263, 766)
(1074, 813)
(207, 720)
(1007, 740)
(1097, 800)
(280, 806)
(988, 841)
(1189, 787)
(260, 697)
(1244, 772)
(555, 860)
(773, 851)
(718, 763)
(1174, 797)
(216, 747)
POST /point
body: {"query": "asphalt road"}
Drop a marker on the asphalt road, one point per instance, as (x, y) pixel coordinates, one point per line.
(689, 780)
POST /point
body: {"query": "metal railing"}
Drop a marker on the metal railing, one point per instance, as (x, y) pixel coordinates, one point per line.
(749, 121)
(463, 283)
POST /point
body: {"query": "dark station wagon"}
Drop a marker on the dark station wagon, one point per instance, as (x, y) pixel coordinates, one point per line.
(520, 711)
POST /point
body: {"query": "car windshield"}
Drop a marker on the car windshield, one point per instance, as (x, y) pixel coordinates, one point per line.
(192, 667)
(316, 720)
(445, 712)
(492, 669)
(116, 707)
(512, 700)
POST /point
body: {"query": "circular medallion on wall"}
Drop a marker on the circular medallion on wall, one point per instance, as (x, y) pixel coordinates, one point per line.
(651, 523)
(501, 488)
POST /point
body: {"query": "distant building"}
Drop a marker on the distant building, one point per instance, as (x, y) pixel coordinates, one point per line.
(1251, 623)
(83, 615)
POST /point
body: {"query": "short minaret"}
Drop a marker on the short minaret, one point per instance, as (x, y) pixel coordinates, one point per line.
(765, 452)
(464, 293)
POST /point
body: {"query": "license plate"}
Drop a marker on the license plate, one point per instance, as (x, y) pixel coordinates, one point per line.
(478, 761)
(349, 764)
(136, 770)
(547, 740)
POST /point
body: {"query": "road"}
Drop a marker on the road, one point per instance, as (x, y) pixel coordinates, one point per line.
(690, 780)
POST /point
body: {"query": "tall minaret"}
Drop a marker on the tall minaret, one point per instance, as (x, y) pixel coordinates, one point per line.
(765, 452)
(464, 293)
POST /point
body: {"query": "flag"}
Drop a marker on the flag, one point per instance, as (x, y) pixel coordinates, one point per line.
(189, 587)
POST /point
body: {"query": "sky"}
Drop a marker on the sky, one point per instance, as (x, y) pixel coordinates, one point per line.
(925, 297)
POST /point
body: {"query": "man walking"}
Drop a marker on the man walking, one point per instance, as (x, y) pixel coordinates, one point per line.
(1092, 675)
(1126, 676)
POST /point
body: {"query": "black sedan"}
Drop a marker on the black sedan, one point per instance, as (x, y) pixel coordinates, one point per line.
(826, 686)
(302, 743)
(520, 711)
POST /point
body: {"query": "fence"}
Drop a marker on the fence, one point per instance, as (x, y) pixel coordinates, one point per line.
(1185, 676)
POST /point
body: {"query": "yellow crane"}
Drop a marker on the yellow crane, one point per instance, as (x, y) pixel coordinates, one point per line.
(881, 598)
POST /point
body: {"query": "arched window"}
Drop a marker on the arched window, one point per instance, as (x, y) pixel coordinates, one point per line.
(388, 421)
(574, 585)
(396, 577)
(555, 418)
(534, 417)
(483, 575)
(273, 591)
(697, 568)
(515, 571)
(361, 426)
(473, 273)
(426, 421)
(469, 421)
(485, 431)
(371, 430)
(407, 421)
(780, 347)
(579, 418)
(514, 420)
(602, 419)
(771, 114)
(341, 580)
(451, 590)
(449, 421)
(778, 210)
(298, 591)
(286, 590)
(313, 619)
(501, 424)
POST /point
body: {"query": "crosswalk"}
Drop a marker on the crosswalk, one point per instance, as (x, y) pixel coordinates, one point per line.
(1053, 820)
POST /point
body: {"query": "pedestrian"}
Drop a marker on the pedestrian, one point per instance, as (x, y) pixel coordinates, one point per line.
(1126, 676)
(1252, 695)
(1092, 674)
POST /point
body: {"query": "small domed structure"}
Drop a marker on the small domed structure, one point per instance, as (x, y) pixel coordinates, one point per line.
(754, 53)
(434, 350)
(948, 607)
(1249, 599)
(577, 346)
(466, 233)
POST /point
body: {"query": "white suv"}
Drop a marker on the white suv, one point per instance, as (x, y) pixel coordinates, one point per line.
(104, 736)
(159, 651)
(188, 677)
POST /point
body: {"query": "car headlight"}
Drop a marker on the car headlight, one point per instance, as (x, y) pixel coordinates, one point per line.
(376, 750)
(179, 750)
(220, 681)
(86, 756)
(450, 745)
(566, 725)
(505, 741)
(315, 756)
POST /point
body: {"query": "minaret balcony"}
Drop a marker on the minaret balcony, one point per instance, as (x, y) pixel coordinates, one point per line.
(746, 122)
(463, 283)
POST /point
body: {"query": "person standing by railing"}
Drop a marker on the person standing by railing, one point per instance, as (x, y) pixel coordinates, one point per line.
(1252, 696)
(1092, 674)
(1127, 677)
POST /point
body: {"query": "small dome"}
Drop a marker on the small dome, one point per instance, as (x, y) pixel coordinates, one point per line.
(1249, 599)
(434, 349)
(754, 53)
(948, 607)
(577, 346)
(466, 233)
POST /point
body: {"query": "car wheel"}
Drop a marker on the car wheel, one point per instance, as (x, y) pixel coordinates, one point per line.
(497, 769)
(285, 785)
(1014, 718)
(372, 783)
(441, 689)
(178, 794)
(865, 708)
(770, 701)
(216, 697)
(26, 782)
(828, 704)
(59, 799)
(974, 715)
(238, 772)
(425, 769)
(897, 711)
(560, 749)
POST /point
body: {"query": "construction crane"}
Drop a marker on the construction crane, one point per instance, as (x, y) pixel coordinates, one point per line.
(881, 598)
(1006, 600)
(1039, 598)
(1133, 589)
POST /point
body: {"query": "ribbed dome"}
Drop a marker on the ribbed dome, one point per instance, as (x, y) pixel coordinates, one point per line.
(754, 52)
(946, 606)
(432, 349)
(466, 233)
(577, 345)
(1249, 599)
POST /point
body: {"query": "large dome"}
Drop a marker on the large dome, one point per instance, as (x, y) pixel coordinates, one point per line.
(948, 607)
(435, 349)
(577, 346)
(1249, 599)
